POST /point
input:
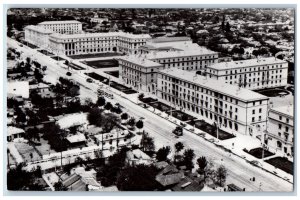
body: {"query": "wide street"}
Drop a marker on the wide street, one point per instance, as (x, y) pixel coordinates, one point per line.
(239, 171)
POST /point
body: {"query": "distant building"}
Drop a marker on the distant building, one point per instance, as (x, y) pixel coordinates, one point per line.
(236, 109)
(14, 132)
(137, 157)
(252, 74)
(98, 20)
(280, 132)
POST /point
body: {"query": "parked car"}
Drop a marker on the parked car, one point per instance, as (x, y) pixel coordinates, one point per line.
(89, 80)
(178, 131)
(69, 74)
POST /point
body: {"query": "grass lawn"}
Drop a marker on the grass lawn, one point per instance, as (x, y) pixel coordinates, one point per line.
(47, 53)
(210, 129)
(272, 92)
(95, 55)
(281, 163)
(181, 115)
(257, 152)
(113, 73)
(160, 106)
(76, 67)
(96, 76)
(102, 63)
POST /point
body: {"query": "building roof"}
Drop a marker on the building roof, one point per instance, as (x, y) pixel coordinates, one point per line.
(76, 138)
(38, 86)
(140, 60)
(38, 29)
(60, 22)
(246, 63)
(215, 85)
(18, 88)
(170, 39)
(11, 130)
(169, 179)
(95, 35)
(137, 154)
(287, 110)
(187, 184)
(70, 120)
(113, 135)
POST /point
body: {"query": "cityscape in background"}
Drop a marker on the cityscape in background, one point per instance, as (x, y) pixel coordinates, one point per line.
(166, 99)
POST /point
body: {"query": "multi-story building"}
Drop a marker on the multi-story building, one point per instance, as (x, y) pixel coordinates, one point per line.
(38, 36)
(97, 43)
(252, 74)
(280, 131)
(63, 27)
(139, 72)
(236, 109)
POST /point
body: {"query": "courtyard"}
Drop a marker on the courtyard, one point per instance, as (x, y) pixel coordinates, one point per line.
(259, 153)
(95, 55)
(102, 63)
(282, 163)
(113, 73)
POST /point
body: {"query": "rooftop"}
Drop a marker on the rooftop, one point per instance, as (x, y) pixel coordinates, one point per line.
(11, 130)
(95, 35)
(70, 120)
(170, 39)
(246, 63)
(18, 88)
(60, 22)
(218, 86)
(287, 110)
(140, 60)
(76, 138)
(38, 29)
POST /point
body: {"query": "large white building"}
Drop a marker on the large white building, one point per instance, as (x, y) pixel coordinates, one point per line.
(38, 36)
(139, 73)
(280, 131)
(252, 74)
(89, 43)
(63, 27)
(237, 109)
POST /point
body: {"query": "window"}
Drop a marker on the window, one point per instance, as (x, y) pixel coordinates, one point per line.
(253, 111)
(280, 117)
(286, 129)
(279, 126)
(287, 120)
(260, 110)
(253, 119)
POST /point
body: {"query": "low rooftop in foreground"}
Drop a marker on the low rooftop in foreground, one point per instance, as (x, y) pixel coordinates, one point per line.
(218, 86)
(246, 63)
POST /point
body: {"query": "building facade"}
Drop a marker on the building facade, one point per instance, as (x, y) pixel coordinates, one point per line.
(280, 132)
(232, 108)
(139, 73)
(252, 74)
(63, 27)
(37, 35)
(90, 43)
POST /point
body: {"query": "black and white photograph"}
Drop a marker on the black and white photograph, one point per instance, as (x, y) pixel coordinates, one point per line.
(156, 99)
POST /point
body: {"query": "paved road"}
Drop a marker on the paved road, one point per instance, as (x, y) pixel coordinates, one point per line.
(239, 172)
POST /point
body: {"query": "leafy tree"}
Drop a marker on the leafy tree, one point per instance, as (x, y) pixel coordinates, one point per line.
(60, 187)
(221, 174)
(188, 157)
(88, 102)
(202, 163)
(124, 116)
(131, 122)
(109, 121)
(141, 96)
(95, 116)
(162, 153)
(179, 146)
(101, 101)
(140, 124)
(108, 106)
(147, 143)
(137, 178)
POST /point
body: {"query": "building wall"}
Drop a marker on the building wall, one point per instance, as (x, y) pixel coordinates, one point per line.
(212, 106)
(139, 77)
(63, 28)
(97, 44)
(37, 37)
(280, 132)
(253, 77)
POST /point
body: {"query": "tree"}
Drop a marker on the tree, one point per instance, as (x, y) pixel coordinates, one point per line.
(202, 163)
(147, 143)
(38, 75)
(95, 116)
(227, 29)
(108, 106)
(74, 91)
(101, 101)
(221, 174)
(109, 121)
(137, 178)
(141, 96)
(162, 153)
(178, 147)
(60, 187)
(139, 124)
(124, 116)
(88, 102)
(131, 122)
(188, 157)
